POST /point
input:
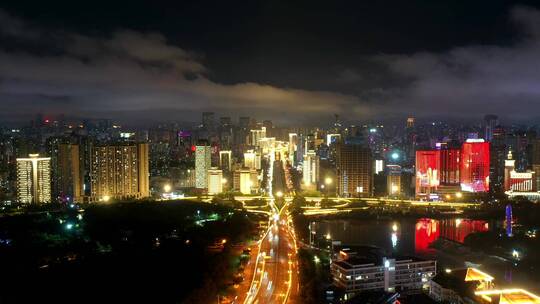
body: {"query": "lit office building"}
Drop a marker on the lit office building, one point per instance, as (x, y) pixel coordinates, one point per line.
(266, 144)
(360, 274)
(310, 172)
(252, 160)
(34, 179)
(245, 181)
(475, 166)
(393, 180)
(450, 166)
(354, 168)
(119, 171)
(427, 172)
(215, 181)
(256, 135)
(203, 160)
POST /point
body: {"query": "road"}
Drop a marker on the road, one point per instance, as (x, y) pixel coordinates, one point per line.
(276, 277)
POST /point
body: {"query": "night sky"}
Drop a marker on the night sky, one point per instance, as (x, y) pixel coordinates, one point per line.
(291, 62)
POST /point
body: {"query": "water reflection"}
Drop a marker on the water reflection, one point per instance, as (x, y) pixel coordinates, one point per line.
(456, 230)
(402, 237)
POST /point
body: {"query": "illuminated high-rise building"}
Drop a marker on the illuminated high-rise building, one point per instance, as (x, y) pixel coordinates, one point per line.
(474, 171)
(252, 160)
(34, 179)
(257, 135)
(203, 160)
(245, 181)
(450, 166)
(119, 171)
(67, 174)
(215, 181)
(225, 160)
(354, 168)
(310, 171)
(393, 180)
(428, 167)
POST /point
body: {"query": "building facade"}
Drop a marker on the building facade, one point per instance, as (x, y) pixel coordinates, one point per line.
(34, 179)
(354, 168)
(67, 174)
(310, 169)
(215, 181)
(390, 274)
(119, 171)
(474, 169)
(203, 160)
(428, 168)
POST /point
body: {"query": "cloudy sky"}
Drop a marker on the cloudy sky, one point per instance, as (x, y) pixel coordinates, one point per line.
(293, 63)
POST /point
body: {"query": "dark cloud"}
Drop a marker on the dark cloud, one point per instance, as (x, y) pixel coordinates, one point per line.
(135, 72)
(465, 82)
(143, 77)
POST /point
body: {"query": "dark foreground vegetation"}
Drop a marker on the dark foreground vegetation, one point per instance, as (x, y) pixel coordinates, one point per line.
(175, 252)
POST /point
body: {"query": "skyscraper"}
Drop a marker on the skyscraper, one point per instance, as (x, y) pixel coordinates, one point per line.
(34, 179)
(354, 170)
(428, 168)
(310, 172)
(202, 164)
(393, 180)
(225, 160)
(293, 142)
(119, 171)
(215, 181)
(252, 160)
(256, 135)
(475, 166)
(498, 152)
(450, 166)
(245, 180)
(67, 174)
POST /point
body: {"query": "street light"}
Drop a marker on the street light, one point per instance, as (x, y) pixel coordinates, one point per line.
(106, 198)
(279, 194)
(167, 188)
(328, 181)
(459, 195)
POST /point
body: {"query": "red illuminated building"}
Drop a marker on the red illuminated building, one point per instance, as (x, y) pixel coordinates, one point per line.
(474, 169)
(450, 166)
(428, 164)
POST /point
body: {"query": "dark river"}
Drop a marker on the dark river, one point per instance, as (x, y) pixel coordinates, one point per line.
(413, 237)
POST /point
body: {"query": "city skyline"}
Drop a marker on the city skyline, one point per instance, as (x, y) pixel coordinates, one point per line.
(270, 152)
